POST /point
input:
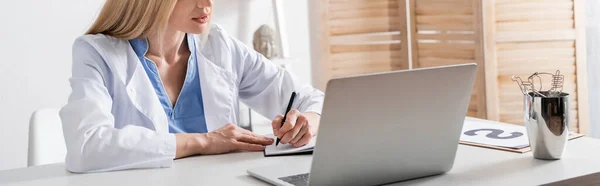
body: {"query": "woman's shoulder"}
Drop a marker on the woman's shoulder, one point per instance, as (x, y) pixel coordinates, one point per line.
(97, 40)
(218, 37)
(102, 50)
(216, 30)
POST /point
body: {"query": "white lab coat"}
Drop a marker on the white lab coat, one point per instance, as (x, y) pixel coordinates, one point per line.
(114, 120)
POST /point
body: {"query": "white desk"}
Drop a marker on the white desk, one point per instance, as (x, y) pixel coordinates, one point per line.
(473, 166)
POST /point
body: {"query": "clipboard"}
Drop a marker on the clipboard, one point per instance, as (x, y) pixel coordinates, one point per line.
(497, 135)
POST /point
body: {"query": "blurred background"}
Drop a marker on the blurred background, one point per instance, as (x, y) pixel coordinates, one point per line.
(349, 37)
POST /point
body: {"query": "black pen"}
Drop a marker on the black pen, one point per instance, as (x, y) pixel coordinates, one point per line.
(289, 107)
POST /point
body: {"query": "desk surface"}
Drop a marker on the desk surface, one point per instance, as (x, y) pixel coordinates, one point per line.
(473, 166)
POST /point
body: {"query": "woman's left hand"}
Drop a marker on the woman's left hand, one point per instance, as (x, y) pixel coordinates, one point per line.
(298, 129)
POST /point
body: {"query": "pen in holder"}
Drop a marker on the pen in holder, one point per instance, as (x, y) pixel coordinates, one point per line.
(546, 115)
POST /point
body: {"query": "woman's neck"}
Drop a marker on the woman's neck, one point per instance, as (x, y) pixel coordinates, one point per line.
(174, 45)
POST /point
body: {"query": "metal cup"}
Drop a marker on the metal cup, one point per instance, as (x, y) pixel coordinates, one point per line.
(547, 123)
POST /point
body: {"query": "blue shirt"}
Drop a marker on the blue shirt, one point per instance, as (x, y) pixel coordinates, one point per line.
(187, 116)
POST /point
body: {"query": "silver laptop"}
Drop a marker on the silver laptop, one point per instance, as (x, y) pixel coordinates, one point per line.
(384, 128)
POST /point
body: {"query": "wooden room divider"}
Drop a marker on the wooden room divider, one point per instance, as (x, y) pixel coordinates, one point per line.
(504, 37)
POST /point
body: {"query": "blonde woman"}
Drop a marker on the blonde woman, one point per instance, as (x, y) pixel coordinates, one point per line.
(153, 81)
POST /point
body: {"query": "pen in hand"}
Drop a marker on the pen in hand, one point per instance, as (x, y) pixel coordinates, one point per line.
(289, 107)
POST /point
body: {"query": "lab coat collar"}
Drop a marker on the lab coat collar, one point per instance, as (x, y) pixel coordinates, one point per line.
(219, 92)
(139, 88)
(220, 103)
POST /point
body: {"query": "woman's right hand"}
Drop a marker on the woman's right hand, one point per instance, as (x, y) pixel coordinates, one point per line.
(223, 140)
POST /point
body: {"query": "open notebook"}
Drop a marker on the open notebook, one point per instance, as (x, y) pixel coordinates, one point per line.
(288, 149)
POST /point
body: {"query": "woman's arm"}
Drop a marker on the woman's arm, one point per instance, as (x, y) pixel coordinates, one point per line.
(266, 87)
(93, 142)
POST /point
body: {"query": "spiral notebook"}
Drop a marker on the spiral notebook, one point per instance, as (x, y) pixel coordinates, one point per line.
(288, 149)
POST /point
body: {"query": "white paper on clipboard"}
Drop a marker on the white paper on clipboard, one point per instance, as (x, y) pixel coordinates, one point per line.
(494, 133)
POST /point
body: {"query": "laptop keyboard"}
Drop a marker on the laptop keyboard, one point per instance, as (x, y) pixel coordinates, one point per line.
(296, 180)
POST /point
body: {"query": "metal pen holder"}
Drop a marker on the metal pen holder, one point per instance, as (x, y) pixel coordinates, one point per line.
(546, 116)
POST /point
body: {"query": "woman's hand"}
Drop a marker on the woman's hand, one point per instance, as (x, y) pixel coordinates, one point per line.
(298, 129)
(226, 139)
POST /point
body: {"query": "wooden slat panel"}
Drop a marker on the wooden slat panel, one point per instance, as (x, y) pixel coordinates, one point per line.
(534, 35)
(519, 62)
(535, 52)
(528, 45)
(462, 37)
(364, 22)
(447, 53)
(349, 66)
(543, 25)
(334, 2)
(369, 27)
(521, 36)
(375, 55)
(517, 69)
(365, 39)
(364, 48)
(535, 16)
(445, 19)
(525, 6)
(509, 72)
(433, 61)
(500, 2)
(445, 22)
(335, 6)
(429, 9)
(357, 71)
(447, 46)
(451, 27)
(365, 63)
(354, 13)
(449, 4)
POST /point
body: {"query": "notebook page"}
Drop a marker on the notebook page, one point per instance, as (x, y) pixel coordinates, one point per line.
(282, 149)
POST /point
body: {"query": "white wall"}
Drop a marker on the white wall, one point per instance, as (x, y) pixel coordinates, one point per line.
(35, 49)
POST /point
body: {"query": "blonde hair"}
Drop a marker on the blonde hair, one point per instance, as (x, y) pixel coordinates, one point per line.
(129, 19)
